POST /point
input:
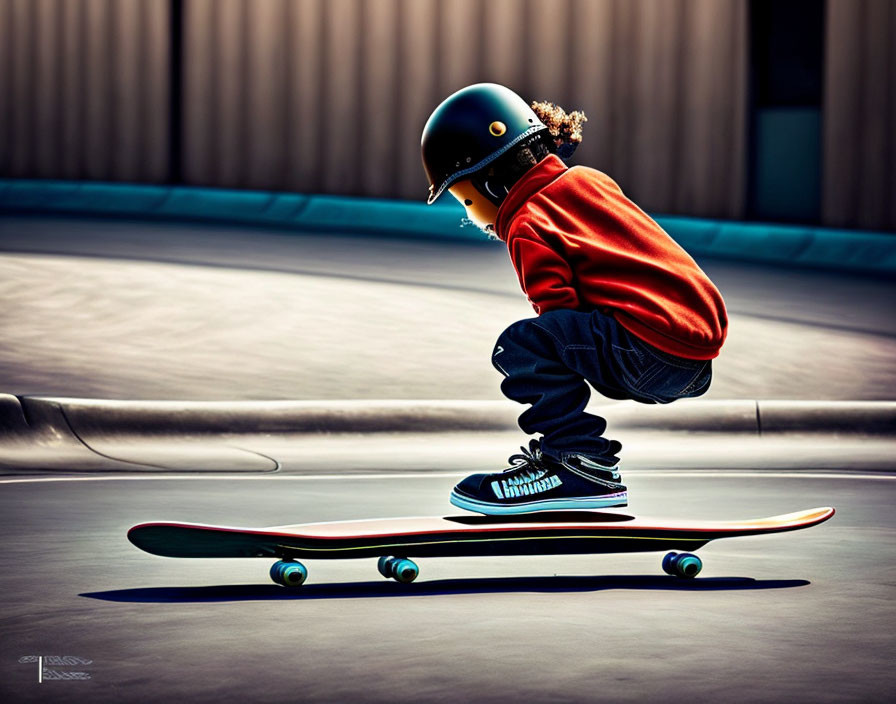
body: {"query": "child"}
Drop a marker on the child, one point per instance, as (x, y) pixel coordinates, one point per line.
(620, 304)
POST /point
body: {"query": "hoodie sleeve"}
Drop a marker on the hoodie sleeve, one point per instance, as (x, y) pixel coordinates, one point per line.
(545, 276)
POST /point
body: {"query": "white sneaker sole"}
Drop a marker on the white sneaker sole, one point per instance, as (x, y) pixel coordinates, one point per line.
(495, 509)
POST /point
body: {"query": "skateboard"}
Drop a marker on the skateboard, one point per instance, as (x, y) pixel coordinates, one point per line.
(395, 540)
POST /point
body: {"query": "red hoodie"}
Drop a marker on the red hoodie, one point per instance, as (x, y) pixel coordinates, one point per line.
(577, 242)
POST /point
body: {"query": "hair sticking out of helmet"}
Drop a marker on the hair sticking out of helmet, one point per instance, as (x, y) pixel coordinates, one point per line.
(565, 128)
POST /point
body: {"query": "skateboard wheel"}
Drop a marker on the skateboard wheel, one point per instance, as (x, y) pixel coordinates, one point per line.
(404, 571)
(688, 566)
(289, 573)
(683, 565)
(669, 563)
(383, 565)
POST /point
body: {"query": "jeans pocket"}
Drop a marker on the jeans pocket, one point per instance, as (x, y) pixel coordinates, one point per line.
(637, 368)
(662, 377)
(682, 382)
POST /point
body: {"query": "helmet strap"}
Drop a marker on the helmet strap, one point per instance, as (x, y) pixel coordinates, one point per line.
(496, 179)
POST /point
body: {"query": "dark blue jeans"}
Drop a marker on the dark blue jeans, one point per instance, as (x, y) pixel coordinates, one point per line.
(546, 362)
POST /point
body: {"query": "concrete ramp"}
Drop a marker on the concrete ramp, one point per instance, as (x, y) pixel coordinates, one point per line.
(71, 435)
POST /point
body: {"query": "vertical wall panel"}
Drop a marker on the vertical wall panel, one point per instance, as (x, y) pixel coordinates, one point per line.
(419, 60)
(126, 73)
(459, 27)
(46, 143)
(591, 57)
(340, 108)
(200, 105)
(654, 157)
(305, 68)
(547, 49)
(874, 137)
(378, 136)
(6, 85)
(713, 114)
(97, 66)
(71, 93)
(21, 88)
(503, 51)
(6, 104)
(620, 104)
(229, 74)
(152, 91)
(266, 95)
(859, 137)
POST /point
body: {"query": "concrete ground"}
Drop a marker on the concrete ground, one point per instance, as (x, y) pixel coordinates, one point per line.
(116, 309)
(146, 310)
(801, 617)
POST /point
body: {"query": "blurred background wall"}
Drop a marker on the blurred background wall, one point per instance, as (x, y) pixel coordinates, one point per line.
(719, 108)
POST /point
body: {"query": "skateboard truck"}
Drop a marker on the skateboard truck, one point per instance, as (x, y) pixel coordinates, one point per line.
(290, 573)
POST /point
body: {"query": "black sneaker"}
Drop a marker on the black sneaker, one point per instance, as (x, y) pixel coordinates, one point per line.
(536, 482)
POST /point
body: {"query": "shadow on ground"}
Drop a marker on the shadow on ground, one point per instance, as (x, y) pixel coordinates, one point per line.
(365, 590)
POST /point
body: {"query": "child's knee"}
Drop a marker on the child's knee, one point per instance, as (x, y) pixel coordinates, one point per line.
(514, 334)
(523, 345)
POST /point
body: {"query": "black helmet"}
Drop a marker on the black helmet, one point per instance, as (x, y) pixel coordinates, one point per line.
(470, 129)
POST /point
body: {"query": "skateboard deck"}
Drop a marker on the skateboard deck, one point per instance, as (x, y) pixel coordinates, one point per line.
(394, 540)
